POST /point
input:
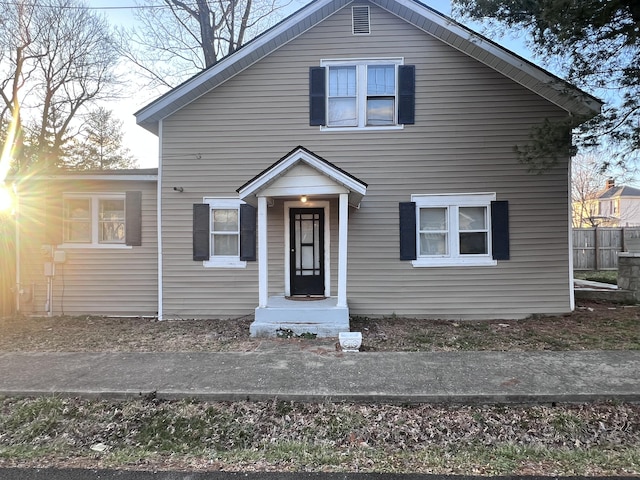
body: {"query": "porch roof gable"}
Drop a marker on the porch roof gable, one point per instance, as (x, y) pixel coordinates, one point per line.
(253, 188)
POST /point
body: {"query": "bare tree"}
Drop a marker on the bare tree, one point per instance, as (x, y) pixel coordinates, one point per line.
(56, 60)
(98, 146)
(179, 39)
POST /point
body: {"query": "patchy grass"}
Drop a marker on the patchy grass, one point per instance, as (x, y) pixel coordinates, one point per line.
(601, 439)
(602, 276)
(593, 326)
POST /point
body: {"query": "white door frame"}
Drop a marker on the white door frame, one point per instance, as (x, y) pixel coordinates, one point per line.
(325, 205)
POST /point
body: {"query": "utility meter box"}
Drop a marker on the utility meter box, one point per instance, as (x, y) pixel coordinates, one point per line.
(59, 256)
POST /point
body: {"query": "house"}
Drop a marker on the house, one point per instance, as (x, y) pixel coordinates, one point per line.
(614, 206)
(355, 159)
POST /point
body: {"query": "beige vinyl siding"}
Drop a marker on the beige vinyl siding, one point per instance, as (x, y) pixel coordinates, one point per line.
(97, 281)
(468, 119)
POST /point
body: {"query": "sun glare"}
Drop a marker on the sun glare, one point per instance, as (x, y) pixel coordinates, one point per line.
(6, 200)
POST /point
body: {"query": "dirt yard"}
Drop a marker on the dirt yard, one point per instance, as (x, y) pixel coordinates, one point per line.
(592, 326)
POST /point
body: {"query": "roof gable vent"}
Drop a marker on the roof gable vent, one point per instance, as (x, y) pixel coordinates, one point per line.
(360, 17)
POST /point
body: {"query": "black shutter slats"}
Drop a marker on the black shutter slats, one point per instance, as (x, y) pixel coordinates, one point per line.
(406, 94)
(248, 232)
(317, 96)
(408, 249)
(500, 230)
(133, 218)
(201, 231)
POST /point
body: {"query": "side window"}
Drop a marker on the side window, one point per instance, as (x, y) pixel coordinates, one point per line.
(102, 219)
(451, 230)
(223, 233)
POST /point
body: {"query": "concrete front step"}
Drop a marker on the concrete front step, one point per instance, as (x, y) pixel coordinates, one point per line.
(321, 317)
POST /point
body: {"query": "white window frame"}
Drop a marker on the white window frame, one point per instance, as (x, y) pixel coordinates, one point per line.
(223, 261)
(361, 65)
(94, 218)
(452, 202)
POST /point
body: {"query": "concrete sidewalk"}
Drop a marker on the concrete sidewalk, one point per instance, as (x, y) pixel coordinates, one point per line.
(450, 377)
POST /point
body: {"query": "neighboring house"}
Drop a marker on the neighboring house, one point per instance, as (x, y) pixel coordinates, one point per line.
(611, 207)
(357, 158)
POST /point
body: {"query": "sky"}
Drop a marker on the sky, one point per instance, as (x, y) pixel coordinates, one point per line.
(144, 145)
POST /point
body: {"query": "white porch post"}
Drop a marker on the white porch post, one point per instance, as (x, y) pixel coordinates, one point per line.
(342, 249)
(263, 264)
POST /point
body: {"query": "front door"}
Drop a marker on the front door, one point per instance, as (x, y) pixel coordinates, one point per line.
(307, 251)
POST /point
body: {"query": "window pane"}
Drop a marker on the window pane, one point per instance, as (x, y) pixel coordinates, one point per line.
(342, 111)
(473, 243)
(225, 220)
(381, 80)
(342, 81)
(225, 245)
(111, 221)
(380, 111)
(77, 220)
(433, 244)
(472, 218)
(433, 219)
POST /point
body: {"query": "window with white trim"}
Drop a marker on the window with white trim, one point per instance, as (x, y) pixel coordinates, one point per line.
(362, 93)
(453, 229)
(94, 219)
(224, 233)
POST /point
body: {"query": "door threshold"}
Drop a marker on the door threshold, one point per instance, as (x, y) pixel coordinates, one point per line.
(303, 298)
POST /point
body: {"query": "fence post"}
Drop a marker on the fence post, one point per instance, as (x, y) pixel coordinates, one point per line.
(596, 249)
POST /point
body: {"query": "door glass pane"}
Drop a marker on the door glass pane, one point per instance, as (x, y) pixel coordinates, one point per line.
(473, 243)
(225, 220)
(226, 245)
(307, 232)
(472, 218)
(380, 111)
(307, 260)
(433, 244)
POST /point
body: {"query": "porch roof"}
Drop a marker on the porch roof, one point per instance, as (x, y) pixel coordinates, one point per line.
(300, 155)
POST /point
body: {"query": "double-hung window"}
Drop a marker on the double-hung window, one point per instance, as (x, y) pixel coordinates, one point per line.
(224, 233)
(94, 219)
(453, 229)
(362, 93)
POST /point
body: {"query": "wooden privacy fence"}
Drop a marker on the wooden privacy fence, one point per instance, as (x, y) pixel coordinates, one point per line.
(597, 248)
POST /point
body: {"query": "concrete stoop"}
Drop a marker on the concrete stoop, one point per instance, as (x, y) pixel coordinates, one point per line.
(321, 317)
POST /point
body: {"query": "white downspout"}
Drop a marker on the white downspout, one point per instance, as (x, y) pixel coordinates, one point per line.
(572, 297)
(159, 220)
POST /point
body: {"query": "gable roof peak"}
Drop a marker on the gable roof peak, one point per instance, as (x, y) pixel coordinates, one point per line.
(432, 22)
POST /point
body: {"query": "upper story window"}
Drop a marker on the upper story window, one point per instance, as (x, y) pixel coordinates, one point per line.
(95, 219)
(359, 94)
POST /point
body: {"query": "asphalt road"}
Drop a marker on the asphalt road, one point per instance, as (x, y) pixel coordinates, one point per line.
(75, 474)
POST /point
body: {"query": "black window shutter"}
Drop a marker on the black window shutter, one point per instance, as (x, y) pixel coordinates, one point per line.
(406, 94)
(201, 231)
(133, 218)
(247, 233)
(317, 96)
(408, 231)
(500, 229)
